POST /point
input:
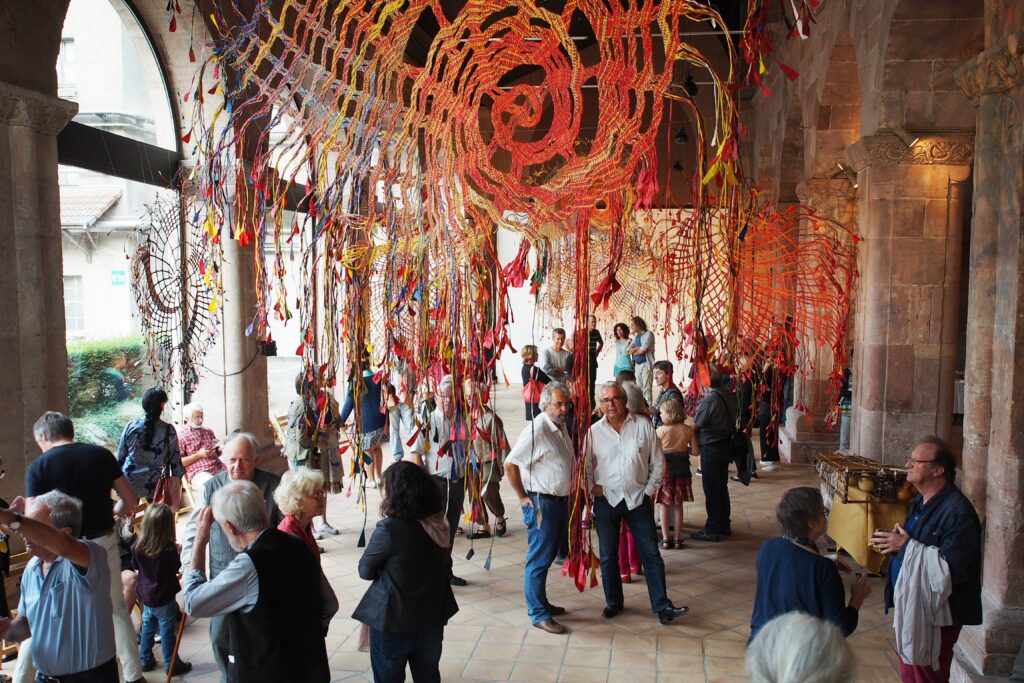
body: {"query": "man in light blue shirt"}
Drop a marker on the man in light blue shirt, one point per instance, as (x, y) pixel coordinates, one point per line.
(65, 592)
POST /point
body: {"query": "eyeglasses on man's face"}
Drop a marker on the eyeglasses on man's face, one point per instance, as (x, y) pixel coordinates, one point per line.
(606, 401)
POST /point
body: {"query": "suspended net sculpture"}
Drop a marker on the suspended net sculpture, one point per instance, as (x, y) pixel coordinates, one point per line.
(406, 148)
(174, 296)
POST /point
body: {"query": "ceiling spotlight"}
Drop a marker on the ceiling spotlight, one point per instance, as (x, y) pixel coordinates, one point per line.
(690, 85)
(908, 138)
(681, 138)
(851, 176)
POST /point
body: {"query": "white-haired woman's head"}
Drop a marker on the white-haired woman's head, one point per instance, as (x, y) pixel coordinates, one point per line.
(799, 648)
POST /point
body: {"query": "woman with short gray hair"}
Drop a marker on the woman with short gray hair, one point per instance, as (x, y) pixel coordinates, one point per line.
(799, 648)
(793, 577)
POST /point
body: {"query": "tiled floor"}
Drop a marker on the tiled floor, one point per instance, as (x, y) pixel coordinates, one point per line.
(490, 639)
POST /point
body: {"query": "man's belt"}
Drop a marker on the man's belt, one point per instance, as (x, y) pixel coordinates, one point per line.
(639, 361)
(89, 675)
(547, 496)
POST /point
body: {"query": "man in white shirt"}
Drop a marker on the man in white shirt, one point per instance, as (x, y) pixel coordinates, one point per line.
(624, 464)
(554, 361)
(444, 458)
(539, 469)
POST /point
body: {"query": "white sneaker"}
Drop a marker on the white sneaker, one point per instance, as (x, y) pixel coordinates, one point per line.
(327, 530)
(371, 483)
(769, 465)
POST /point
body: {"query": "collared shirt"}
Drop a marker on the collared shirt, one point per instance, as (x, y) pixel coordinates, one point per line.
(644, 341)
(627, 464)
(551, 360)
(237, 588)
(442, 457)
(69, 613)
(191, 440)
(543, 454)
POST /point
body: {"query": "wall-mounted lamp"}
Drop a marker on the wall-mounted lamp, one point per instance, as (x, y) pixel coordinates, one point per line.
(844, 171)
(908, 138)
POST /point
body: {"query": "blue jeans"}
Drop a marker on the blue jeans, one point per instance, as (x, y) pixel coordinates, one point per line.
(714, 466)
(398, 417)
(545, 529)
(166, 616)
(640, 521)
(390, 652)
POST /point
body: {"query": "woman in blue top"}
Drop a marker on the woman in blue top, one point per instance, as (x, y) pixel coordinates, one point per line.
(623, 361)
(793, 577)
(373, 420)
(148, 447)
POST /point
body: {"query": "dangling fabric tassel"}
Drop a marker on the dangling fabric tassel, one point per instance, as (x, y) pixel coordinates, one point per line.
(490, 552)
(362, 539)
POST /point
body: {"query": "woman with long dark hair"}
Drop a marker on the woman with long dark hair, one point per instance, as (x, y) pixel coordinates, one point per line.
(407, 559)
(623, 361)
(149, 451)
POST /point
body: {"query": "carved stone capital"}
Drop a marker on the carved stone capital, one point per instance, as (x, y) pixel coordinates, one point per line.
(833, 198)
(31, 109)
(997, 69)
(927, 150)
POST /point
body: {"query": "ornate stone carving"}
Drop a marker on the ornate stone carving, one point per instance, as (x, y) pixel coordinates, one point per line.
(997, 69)
(929, 149)
(31, 109)
(833, 198)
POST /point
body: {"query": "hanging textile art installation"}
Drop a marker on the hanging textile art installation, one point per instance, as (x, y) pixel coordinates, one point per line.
(408, 131)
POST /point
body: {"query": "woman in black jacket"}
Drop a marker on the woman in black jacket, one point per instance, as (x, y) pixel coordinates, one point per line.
(407, 559)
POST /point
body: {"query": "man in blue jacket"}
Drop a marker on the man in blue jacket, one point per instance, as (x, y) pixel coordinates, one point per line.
(943, 517)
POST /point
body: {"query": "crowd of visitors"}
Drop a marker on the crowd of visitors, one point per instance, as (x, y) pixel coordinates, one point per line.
(252, 563)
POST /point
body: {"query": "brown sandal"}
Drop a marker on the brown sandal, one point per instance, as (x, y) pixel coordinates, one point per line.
(500, 527)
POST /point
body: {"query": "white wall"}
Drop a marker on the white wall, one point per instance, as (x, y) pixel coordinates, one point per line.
(109, 307)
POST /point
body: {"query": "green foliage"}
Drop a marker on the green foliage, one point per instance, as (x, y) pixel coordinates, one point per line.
(104, 373)
(103, 426)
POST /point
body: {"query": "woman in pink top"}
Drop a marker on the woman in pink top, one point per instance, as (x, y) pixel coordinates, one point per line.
(301, 497)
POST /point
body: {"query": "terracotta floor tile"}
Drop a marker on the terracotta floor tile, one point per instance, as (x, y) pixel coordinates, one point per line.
(583, 674)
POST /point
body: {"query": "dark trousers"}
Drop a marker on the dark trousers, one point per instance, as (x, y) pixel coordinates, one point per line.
(714, 466)
(104, 673)
(390, 652)
(640, 521)
(453, 493)
(492, 498)
(768, 434)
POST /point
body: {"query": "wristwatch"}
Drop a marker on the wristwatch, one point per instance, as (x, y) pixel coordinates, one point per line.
(16, 524)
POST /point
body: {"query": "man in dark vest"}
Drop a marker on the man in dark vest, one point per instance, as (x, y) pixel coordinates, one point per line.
(273, 597)
(239, 455)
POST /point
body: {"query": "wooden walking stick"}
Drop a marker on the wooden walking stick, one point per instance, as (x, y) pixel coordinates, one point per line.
(177, 644)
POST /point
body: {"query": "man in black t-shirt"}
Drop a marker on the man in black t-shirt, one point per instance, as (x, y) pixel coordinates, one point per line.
(88, 473)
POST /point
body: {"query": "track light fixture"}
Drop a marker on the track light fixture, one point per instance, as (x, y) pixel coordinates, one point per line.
(909, 139)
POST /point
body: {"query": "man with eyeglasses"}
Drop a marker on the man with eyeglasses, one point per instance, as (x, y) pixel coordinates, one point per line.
(624, 464)
(941, 519)
(539, 470)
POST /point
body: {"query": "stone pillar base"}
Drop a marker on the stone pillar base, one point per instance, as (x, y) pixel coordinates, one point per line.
(797, 444)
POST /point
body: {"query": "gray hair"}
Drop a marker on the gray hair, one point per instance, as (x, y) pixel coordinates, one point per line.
(65, 511)
(549, 389)
(243, 436)
(189, 408)
(242, 504)
(799, 648)
(295, 485)
(53, 426)
(447, 382)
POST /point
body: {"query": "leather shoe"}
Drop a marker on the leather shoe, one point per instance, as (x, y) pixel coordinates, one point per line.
(457, 581)
(725, 533)
(610, 611)
(705, 535)
(551, 626)
(669, 613)
(555, 610)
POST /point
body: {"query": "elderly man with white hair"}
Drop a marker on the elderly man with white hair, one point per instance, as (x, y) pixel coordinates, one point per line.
(240, 458)
(438, 450)
(539, 470)
(273, 597)
(200, 453)
(65, 593)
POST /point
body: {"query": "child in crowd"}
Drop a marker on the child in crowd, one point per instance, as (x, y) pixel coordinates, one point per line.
(678, 442)
(155, 557)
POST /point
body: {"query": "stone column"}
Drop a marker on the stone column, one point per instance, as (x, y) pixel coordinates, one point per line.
(233, 390)
(911, 215)
(32, 307)
(994, 410)
(805, 430)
